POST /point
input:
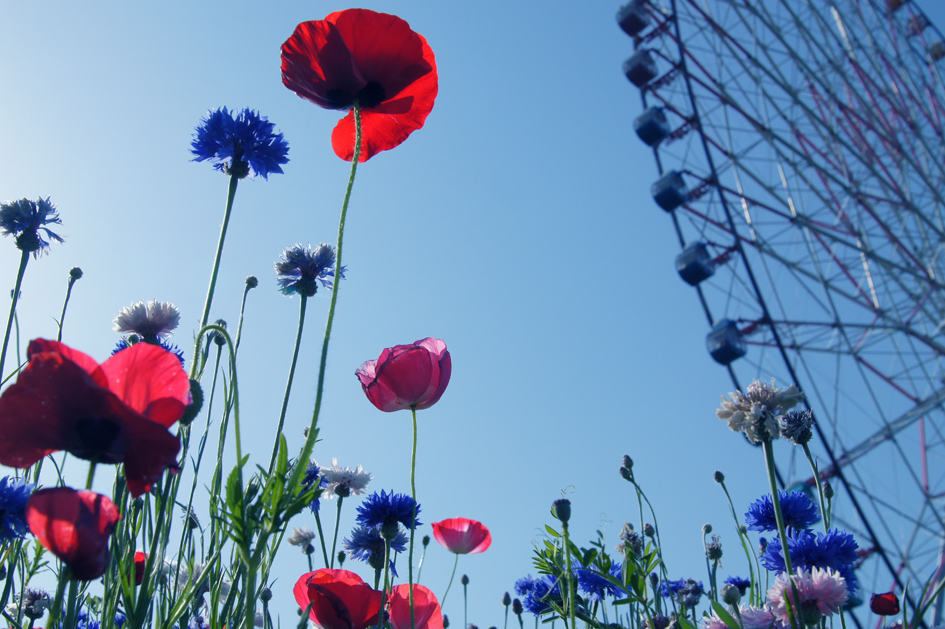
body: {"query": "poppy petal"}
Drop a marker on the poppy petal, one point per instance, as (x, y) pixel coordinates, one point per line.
(151, 381)
(427, 612)
(462, 535)
(74, 526)
(317, 65)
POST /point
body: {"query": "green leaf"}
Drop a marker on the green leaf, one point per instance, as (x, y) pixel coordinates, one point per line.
(725, 616)
(685, 623)
(552, 532)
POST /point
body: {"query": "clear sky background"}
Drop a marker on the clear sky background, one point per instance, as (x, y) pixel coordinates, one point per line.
(517, 225)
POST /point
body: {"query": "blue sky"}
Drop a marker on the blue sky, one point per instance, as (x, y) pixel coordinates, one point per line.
(517, 225)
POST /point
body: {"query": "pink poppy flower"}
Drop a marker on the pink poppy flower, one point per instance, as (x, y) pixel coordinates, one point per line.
(427, 612)
(372, 57)
(462, 535)
(340, 599)
(407, 376)
(116, 412)
(74, 526)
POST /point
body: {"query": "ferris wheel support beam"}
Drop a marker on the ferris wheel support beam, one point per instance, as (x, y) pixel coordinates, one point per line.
(761, 303)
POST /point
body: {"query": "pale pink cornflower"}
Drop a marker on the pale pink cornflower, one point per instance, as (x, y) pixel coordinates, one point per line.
(344, 481)
(756, 412)
(821, 592)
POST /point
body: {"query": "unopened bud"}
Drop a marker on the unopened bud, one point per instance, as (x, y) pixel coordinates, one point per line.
(341, 557)
(446, 622)
(425, 541)
(517, 607)
(464, 580)
(506, 599)
(648, 530)
(265, 595)
(561, 508)
(75, 273)
(828, 490)
(706, 529)
(626, 474)
(719, 477)
(309, 549)
(730, 594)
(251, 281)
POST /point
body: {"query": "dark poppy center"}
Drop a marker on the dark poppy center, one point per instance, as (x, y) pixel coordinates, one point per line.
(371, 95)
(338, 99)
(96, 436)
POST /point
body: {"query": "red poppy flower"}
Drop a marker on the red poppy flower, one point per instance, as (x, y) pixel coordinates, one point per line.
(407, 376)
(462, 535)
(884, 604)
(140, 560)
(74, 526)
(116, 412)
(372, 57)
(427, 612)
(340, 599)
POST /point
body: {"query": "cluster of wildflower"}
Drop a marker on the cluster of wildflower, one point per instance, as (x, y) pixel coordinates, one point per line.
(755, 413)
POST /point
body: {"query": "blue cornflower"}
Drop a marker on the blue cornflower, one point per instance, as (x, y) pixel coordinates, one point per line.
(669, 588)
(301, 269)
(313, 477)
(740, 583)
(593, 584)
(24, 219)
(240, 144)
(833, 550)
(168, 346)
(686, 591)
(384, 510)
(367, 545)
(535, 593)
(13, 497)
(797, 509)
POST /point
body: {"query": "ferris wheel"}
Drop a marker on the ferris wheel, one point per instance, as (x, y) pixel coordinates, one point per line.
(800, 146)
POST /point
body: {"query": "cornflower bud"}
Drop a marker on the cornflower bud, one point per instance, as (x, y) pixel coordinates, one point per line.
(719, 477)
(706, 529)
(626, 474)
(446, 622)
(265, 595)
(648, 530)
(506, 599)
(627, 462)
(425, 541)
(828, 490)
(251, 281)
(75, 273)
(464, 580)
(517, 607)
(730, 594)
(341, 558)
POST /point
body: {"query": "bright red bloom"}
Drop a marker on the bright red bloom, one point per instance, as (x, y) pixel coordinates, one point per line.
(140, 560)
(372, 57)
(74, 526)
(407, 376)
(340, 599)
(116, 412)
(462, 535)
(427, 613)
(884, 604)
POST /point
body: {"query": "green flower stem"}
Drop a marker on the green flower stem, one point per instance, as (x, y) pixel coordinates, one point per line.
(288, 387)
(413, 522)
(321, 540)
(465, 619)
(569, 579)
(746, 545)
(380, 615)
(824, 514)
(776, 501)
(312, 432)
(231, 193)
(88, 482)
(62, 317)
(239, 328)
(65, 575)
(450, 584)
(334, 539)
(24, 258)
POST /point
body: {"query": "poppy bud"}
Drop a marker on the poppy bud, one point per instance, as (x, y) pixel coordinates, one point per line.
(719, 477)
(425, 541)
(218, 338)
(265, 595)
(251, 281)
(884, 604)
(446, 622)
(706, 529)
(75, 273)
(506, 599)
(464, 580)
(341, 557)
(191, 412)
(562, 509)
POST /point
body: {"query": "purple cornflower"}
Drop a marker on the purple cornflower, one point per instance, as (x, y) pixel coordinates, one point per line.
(386, 510)
(240, 144)
(797, 509)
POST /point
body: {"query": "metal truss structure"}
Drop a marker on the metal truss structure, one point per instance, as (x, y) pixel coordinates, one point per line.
(801, 148)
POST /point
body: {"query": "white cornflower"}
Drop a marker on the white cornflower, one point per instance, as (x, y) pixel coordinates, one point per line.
(343, 481)
(301, 537)
(149, 320)
(756, 413)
